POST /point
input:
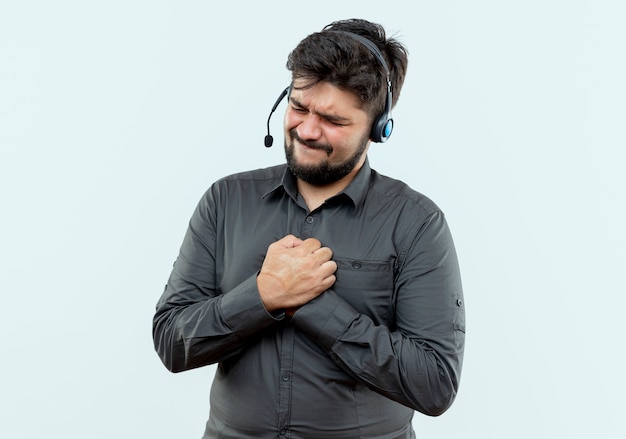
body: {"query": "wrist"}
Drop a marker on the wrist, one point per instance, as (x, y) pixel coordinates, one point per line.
(267, 285)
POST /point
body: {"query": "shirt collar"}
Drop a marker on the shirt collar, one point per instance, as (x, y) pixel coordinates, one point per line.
(287, 183)
(355, 191)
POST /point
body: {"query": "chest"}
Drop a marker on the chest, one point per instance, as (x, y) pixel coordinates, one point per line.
(363, 248)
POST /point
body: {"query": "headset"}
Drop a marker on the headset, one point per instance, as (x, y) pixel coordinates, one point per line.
(383, 125)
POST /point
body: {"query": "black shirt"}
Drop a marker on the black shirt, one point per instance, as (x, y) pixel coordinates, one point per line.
(385, 340)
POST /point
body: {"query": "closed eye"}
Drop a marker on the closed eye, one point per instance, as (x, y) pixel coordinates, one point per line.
(299, 110)
(335, 120)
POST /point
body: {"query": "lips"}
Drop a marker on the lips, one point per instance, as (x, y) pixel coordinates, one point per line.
(321, 146)
(324, 148)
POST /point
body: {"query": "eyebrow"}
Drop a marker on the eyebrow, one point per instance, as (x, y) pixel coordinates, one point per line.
(330, 117)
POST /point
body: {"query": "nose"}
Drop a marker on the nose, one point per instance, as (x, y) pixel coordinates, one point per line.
(309, 128)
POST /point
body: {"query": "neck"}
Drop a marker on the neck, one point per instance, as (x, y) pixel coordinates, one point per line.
(314, 196)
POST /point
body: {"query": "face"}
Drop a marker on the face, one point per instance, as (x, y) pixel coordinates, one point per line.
(326, 133)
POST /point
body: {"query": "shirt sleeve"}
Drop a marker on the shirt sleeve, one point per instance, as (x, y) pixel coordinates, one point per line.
(418, 362)
(195, 324)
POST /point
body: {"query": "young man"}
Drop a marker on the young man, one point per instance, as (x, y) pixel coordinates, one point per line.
(328, 294)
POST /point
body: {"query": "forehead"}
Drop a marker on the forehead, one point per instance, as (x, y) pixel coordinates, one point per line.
(324, 96)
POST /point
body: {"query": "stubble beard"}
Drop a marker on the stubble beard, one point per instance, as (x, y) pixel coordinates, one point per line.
(323, 173)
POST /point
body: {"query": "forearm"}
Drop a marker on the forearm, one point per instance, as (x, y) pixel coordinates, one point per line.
(415, 357)
(405, 369)
(192, 329)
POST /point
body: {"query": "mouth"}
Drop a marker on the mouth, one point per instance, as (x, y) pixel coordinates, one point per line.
(312, 145)
(326, 148)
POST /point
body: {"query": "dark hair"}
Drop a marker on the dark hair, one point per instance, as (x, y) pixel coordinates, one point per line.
(344, 61)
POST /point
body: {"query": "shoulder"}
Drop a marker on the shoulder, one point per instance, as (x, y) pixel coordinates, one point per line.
(412, 215)
(257, 181)
(244, 186)
(270, 174)
(392, 192)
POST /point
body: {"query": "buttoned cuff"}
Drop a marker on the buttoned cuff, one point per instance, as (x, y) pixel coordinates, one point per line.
(244, 312)
(325, 318)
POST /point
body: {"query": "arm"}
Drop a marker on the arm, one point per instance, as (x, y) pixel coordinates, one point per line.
(418, 363)
(195, 323)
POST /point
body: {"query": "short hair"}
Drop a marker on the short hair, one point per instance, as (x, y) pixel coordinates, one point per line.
(347, 63)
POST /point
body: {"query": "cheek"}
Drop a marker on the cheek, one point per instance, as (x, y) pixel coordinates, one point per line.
(290, 120)
(340, 139)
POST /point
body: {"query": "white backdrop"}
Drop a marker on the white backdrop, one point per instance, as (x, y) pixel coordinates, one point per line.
(116, 116)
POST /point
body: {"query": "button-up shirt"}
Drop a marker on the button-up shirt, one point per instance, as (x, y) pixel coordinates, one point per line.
(386, 339)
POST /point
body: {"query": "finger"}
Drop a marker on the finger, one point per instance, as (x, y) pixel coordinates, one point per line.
(311, 244)
(323, 254)
(289, 241)
(325, 250)
(329, 267)
(328, 282)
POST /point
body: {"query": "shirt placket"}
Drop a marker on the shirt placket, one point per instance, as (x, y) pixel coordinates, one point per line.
(303, 230)
(307, 227)
(285, 381)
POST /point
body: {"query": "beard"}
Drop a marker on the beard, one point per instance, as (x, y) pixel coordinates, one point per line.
(323, 173)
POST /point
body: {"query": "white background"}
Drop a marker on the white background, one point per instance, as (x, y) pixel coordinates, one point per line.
(116, 116)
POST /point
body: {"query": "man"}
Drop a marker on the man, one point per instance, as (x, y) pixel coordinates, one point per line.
(328, 294)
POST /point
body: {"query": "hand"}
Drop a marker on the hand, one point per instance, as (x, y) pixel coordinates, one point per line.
(294, 272)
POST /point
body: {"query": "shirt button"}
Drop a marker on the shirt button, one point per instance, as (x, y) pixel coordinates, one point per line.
(285, 377)
(356, 265)
(310, 219)
(459, 302)
(283, 431)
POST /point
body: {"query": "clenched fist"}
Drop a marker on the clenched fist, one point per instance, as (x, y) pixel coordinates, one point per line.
(294, 272)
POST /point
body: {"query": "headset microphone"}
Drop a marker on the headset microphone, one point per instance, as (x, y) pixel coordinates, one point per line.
(269, 140)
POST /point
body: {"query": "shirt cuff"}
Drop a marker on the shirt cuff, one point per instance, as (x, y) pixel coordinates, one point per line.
(325, 318)
(244, 312)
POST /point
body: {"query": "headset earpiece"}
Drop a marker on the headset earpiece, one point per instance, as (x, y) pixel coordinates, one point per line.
(383, 125)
